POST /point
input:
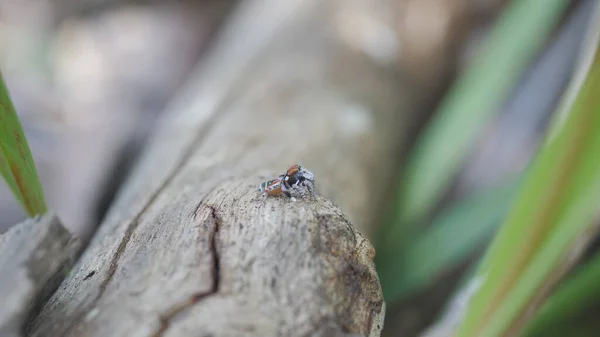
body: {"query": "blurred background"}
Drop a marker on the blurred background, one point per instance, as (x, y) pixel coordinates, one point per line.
(90, 78)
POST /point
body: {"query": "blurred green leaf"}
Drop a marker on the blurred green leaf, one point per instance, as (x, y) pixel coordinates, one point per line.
(586, 58)
(582, 329)
(16, 163)
(554, 207)
(577, 295)
(453, 236)
(9, 178)
(443, 145)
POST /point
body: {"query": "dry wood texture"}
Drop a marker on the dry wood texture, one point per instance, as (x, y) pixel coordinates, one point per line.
(34, 258)
(190, 249)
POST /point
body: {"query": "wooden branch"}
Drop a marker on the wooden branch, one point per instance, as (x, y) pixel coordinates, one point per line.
(190, 249)
(230, 264)
(34, 258)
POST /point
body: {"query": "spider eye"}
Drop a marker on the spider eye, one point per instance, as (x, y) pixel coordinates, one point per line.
(291, 179)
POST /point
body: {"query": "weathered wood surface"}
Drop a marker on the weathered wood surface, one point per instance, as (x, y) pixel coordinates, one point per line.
(34, 257)
(189, 248)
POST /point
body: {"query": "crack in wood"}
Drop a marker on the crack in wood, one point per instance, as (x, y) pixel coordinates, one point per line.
(213, 248)
(165, 319)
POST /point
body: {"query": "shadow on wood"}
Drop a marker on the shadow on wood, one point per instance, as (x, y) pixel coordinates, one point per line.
(34, 258)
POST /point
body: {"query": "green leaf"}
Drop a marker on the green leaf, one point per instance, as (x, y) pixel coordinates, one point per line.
(578, 294)
(479, 93)
(452, 237)
(554, 207)
(16, 163)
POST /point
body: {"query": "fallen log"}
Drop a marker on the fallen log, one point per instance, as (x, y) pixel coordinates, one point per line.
(190, 248)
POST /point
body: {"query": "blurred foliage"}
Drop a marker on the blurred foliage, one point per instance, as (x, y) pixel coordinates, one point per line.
(452, 238)
(560, 315)
(472, 100)
(16, 163)
(554, 207)
(441, 149)
(548, 213)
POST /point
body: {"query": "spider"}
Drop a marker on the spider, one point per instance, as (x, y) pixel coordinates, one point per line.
(296, 181)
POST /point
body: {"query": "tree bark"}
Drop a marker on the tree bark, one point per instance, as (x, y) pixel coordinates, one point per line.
(189, 248)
